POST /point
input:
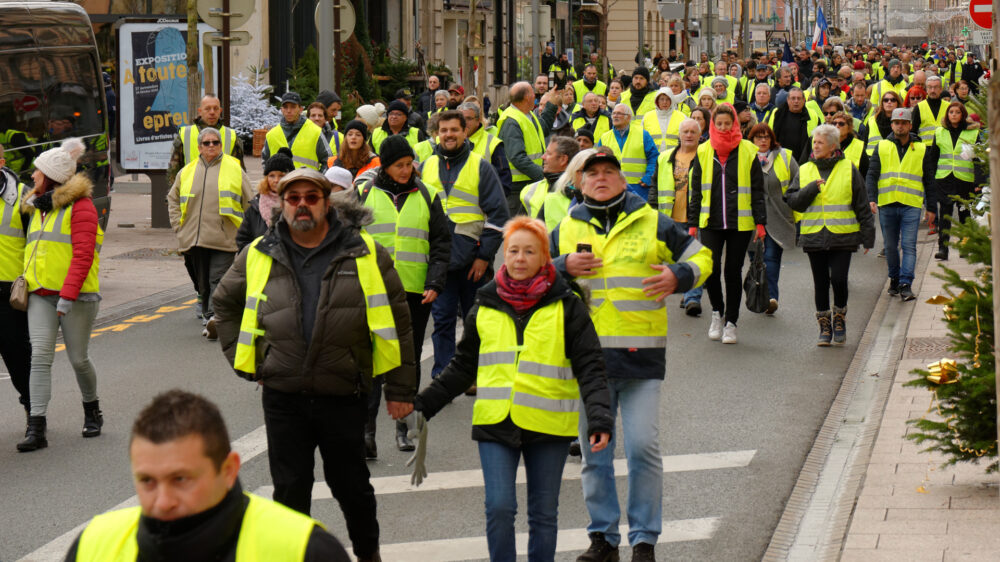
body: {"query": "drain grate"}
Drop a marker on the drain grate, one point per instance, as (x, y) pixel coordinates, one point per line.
(149, 254)
(926, 348)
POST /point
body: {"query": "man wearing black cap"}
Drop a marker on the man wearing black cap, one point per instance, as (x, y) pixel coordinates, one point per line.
(639, 96)
(414, 118)
(759, 77)
(396, 123)
(584, 138)
(304, 138)
(587, 245)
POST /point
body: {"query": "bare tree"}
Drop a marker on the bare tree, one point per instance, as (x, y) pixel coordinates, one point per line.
(744, 7)
(686, 36)
(606, 6)
(193, 76)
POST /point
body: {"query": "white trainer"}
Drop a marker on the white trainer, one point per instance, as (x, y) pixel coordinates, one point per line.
(729, 333)
(715, 328)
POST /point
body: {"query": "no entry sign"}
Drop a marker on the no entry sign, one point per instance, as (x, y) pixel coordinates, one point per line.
(981, 12)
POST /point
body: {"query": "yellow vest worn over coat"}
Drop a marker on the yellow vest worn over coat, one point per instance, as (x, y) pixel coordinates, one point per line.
(404, 233)
(303, 147)
(901, 181)
(189, 139)
(49, 251)
(534, 139)
(11, 237)
(230, 188)
(831, 209)
(706, 159)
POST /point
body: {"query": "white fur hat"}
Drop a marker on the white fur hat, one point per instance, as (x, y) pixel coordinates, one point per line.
(340, 177)
(59, 164)
(369, 115)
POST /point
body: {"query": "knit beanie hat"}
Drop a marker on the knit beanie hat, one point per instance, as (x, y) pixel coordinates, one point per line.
(367, 114)
(340, 177)
(327, 97)
(280, 161)
(393, 148)
(359, 126)
(398, 106)
(59, 164)
(641, 71)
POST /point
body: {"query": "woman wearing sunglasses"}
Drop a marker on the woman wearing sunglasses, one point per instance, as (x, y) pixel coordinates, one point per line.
(879, 124)
(916, 95)
(852, 147)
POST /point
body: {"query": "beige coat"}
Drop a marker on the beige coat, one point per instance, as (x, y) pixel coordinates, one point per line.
(204, 226)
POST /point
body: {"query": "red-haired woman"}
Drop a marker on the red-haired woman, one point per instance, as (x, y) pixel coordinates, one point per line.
(532, 351)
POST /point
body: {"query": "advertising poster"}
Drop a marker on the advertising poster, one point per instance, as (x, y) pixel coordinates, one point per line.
(152, 78)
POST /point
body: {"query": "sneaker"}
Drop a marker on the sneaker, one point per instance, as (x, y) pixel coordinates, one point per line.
(715, 328)
(600, 550)
(893, 288)
(941, 255)
(210, 332)
(772, 305)
(729, 333)
(881, 253)
(906, 293)
(693, 308)
(643, 552)
(825, 329)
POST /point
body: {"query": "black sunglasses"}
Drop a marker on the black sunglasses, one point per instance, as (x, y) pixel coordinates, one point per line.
(830, 113)
(210, 143)
(310, 198)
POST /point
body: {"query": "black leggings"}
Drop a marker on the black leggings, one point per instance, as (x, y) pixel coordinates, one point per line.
(830, 267)
(735, 243)
(947, 208)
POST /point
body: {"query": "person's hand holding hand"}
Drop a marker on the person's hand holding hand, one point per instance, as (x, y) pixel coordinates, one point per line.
(398, 410)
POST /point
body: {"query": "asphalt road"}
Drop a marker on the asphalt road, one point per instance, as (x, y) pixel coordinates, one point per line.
(736, 423)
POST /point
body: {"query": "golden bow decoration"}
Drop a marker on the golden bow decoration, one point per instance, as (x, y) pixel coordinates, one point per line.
(944, 371)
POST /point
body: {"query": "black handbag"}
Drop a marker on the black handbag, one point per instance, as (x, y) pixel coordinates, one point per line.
(755, 283)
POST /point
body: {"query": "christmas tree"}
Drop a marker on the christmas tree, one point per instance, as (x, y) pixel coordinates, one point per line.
(249, 106)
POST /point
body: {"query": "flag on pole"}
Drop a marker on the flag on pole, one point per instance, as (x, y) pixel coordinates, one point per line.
(821, 32)
(786, 55)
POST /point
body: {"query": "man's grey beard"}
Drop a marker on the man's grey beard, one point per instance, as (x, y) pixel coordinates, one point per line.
(303, 225)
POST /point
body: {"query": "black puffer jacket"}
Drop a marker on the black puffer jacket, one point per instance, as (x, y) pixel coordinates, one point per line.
(582, 348)
(799, 197)
(338, 359)
(253, 224)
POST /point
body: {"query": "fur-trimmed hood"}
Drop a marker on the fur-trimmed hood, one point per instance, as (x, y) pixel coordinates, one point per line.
(78, 187)
(349, 209)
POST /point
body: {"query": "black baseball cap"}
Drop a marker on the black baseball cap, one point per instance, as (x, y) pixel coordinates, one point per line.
(403, 93)
(291, 97)
(603, 154)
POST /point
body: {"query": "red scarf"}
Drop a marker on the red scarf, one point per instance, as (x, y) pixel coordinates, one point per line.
(526, 293)
(724, 143)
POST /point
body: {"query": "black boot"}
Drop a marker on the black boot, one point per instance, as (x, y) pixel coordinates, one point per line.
(371, 451)
(34, 437)
(403, 442)
(825, 328)
(839, 325)
(92, 419)
(600, 550)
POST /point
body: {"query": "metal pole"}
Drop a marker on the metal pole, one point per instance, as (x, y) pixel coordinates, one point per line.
(536, 38)
(639, 8)
(708, 29)
(335, 45)
(326, 33)
(511, 45)
(224, 67)
(747, 34)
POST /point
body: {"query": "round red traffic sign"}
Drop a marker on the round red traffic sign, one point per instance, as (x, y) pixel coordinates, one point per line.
(981, 12)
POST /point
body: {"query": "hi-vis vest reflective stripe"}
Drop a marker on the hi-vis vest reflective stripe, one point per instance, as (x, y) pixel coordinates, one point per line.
(484, 143)
(46, 267)
(462, 204)
(929, 122)
(189, 139)
(664, 139)
(783, 171)
(404, 233)
(633, 156)
(831, 209)
(666, 190)
(381, 324)
(901, 182)
(379, 135)
(580, 89)
(533, 195)
(230, 188)
(854, 152)
(336, 139)
(950, 161)
(706, 158)
(534, 140)
(623, 315)
(11, 238)
(556, 207)
(874, 135)
(303, 149)
(602, 124)
(16, 159)
(533, 382)
(270, 532)
(647, 104)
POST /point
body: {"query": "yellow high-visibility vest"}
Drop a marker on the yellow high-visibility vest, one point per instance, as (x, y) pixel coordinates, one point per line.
(647, 104)
(484, 143)
(901, 181)
(189, 139)
(533, 383)
(230, 188)
(533, 195)
(11, 238)
(303, 149)
(874, 135)
(600, 88)
(623, 315)
(385, 341)
(666, 190)
(48, 252)
(556, 207)
(929, 121)
(462, 204)
(379, 135)
(534, 139)
(854, 151)
(632, 156)
(951, 161)
(664, 139)
(602, 124)
(404, 233)
(831, 209)
(270, 532)
(747, 151)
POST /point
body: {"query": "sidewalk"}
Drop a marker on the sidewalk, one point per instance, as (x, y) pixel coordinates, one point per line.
(139, 262)
(908, 507)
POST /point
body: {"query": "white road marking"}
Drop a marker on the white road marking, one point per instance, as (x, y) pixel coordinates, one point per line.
(248, 447)
(474, 548)
(456, 479)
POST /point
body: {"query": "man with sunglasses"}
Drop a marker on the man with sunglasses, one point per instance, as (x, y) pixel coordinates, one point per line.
(206, 204)
(312, 311)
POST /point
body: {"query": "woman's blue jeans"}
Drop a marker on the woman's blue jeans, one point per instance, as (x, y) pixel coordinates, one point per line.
(543, 464)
